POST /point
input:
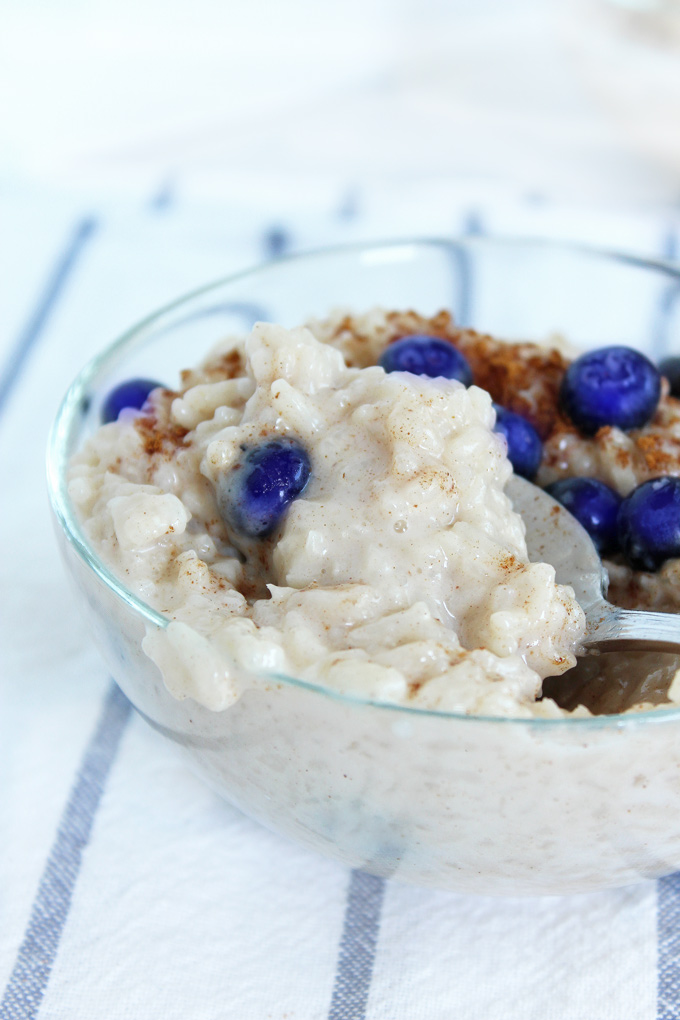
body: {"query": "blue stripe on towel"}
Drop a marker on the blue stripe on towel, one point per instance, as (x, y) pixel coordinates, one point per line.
(668, 933)
(38, 950)
(357, 947)
(277, 241)
(473, 224)
(61, 271)
(669, 246)
(164, 198)
(666, 305)
(350, 204)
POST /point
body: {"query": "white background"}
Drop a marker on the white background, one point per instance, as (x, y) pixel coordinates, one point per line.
(569, 98)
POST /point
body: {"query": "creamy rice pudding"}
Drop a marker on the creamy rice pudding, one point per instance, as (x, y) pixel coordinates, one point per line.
(398, 570)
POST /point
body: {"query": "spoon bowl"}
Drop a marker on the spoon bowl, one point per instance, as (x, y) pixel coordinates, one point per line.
(554, 536)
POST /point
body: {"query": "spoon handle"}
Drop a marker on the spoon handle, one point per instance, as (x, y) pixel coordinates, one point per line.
(612, 629)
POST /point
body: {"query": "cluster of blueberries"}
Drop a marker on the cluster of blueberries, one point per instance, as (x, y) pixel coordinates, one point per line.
(612, 386)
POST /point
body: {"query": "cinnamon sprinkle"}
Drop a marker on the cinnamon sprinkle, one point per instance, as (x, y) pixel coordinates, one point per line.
(656, 456)
(523, 377)
(160, 436)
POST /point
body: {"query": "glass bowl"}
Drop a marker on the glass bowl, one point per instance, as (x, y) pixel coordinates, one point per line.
(483, 805)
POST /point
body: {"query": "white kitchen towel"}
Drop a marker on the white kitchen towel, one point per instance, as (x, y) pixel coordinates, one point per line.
(127, 888)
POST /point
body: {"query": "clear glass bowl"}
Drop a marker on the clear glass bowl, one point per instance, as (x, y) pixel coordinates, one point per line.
(498, 806)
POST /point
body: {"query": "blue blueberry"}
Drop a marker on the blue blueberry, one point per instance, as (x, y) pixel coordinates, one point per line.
(255, 494)
(132, 393)
(649, 523)
(670, 367)
(594, 505)
(524, 445)
(426, 355)
(611, 386)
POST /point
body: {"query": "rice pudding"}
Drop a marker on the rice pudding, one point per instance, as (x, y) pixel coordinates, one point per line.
(400, 574)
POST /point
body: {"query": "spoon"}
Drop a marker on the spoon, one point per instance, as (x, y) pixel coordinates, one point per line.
(554, 536)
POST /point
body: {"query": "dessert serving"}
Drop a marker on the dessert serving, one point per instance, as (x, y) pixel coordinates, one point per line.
(327, 503)
(302, 566)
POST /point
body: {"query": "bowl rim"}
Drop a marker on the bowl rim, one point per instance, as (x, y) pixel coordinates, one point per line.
(65, 418)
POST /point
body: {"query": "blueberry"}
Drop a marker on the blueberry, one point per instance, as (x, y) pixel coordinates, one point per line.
(255, 494)
(524, 446)
(670, 367)
(611, 386)
(426, 355)
(594, 505)
(649, 523)
(132, 393)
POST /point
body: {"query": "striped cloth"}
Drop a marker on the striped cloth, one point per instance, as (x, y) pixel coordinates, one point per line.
(127, 888)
